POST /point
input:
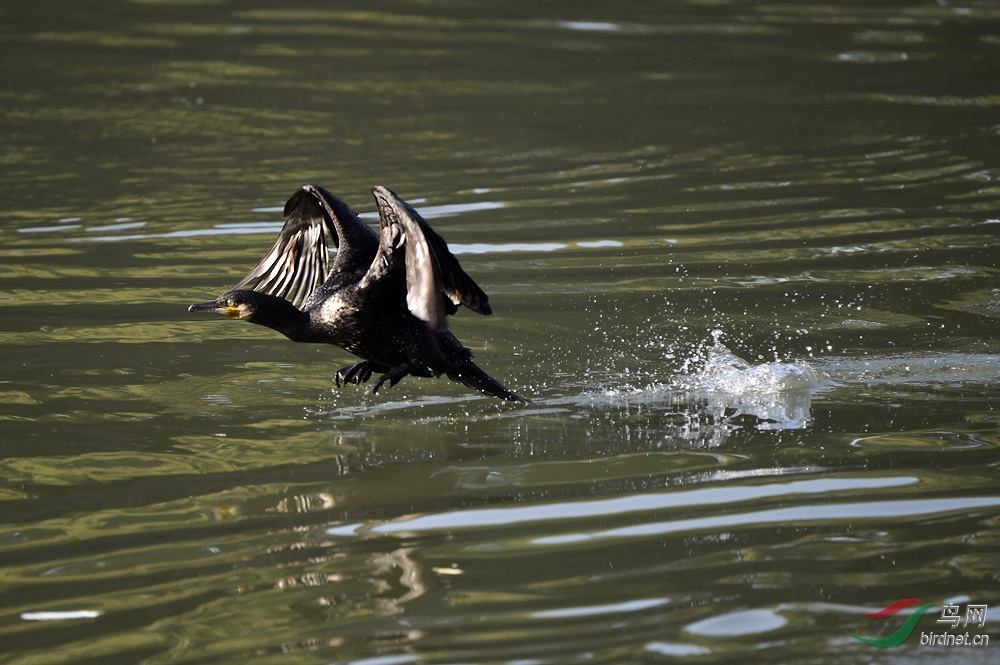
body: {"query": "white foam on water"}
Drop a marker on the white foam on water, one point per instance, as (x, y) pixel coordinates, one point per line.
(778, 394)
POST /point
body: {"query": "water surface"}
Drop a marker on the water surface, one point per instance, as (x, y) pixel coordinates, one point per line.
(743, 256)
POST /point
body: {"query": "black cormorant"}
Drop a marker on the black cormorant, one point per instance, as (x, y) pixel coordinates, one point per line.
(385, 299)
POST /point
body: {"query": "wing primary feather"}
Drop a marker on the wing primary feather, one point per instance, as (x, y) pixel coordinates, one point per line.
(297, 262)
(435, 281)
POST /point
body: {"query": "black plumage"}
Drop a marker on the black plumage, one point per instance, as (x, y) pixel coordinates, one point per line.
(386, 298)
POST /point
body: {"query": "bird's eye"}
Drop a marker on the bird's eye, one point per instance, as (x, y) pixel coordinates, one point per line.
(230, 303)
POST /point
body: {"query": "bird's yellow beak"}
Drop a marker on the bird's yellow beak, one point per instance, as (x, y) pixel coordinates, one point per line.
(232, 312)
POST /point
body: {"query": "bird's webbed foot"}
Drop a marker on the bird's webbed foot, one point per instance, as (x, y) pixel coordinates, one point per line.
(394, 375)
(358, 372)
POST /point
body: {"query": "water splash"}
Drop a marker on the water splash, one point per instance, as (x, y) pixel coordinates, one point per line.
(723, 371)
(777, 394)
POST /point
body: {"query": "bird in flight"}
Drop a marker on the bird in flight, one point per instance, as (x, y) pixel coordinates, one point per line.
(385, 298)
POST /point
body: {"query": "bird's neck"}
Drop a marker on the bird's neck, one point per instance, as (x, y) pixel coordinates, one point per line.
(286, 318)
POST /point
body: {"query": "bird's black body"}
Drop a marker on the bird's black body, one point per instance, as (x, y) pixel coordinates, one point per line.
(385, 298)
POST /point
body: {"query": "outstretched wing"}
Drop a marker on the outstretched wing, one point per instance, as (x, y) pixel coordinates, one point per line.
(435, 282)
(298, 262)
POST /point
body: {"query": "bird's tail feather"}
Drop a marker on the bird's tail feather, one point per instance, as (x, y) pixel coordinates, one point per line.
(471, 375)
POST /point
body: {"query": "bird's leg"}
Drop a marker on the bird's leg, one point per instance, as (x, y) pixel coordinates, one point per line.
(341, 377)
(398, 372)
(358, 372)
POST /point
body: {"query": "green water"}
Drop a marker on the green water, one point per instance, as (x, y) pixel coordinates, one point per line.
(742, 256)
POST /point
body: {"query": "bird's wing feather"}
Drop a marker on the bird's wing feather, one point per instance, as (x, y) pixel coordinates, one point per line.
(298, 262)
(435, 282)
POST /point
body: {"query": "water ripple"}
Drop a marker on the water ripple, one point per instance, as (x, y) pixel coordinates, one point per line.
(491, 517)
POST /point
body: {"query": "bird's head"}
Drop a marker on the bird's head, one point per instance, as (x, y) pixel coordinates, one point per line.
(236, 304)
(259, 308)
